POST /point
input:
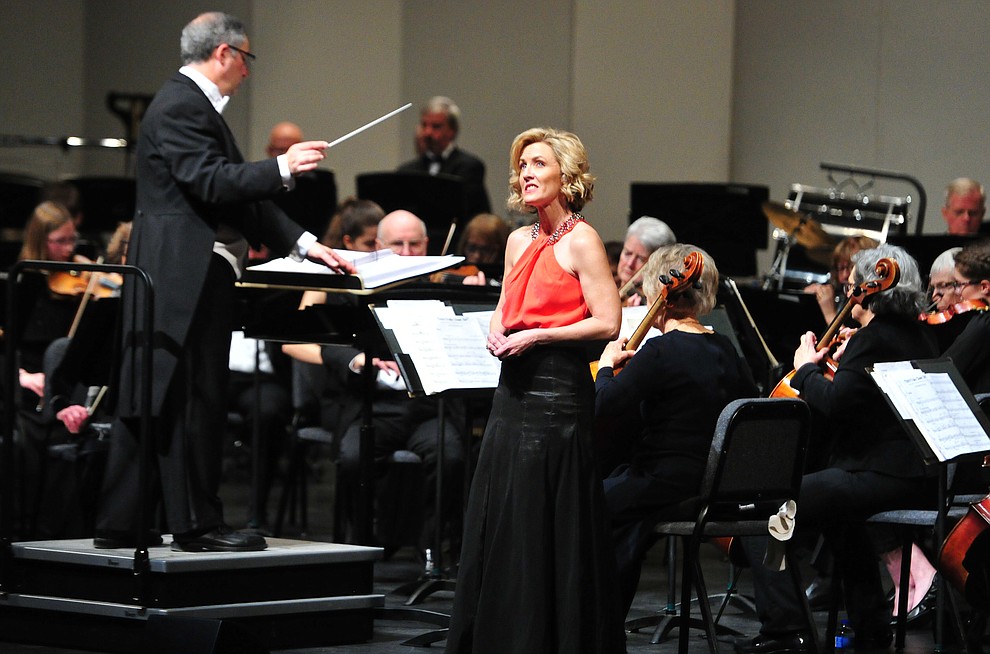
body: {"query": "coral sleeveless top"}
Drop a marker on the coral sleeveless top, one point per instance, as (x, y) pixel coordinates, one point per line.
(539, 293)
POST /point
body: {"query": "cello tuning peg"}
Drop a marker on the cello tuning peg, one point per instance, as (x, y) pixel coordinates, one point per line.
(664, 280)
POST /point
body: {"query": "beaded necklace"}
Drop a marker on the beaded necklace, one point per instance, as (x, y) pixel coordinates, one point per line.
(564, 227)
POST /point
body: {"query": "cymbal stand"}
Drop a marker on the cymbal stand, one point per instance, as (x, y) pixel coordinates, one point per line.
(774, 279)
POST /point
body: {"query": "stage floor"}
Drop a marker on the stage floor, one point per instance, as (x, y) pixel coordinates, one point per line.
(405, 566)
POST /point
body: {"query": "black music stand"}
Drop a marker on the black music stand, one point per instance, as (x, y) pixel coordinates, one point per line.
(340, 323)
(934, 446)
(438, 199)
(727, 220)
(105, 202)
(436, 578)
(312, 202)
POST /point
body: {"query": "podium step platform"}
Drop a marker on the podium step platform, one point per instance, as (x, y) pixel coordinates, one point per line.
(295, 594)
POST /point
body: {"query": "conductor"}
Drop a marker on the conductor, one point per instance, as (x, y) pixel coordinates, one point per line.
(199, 206)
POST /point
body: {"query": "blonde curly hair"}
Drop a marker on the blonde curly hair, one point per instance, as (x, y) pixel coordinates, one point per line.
(578, 184)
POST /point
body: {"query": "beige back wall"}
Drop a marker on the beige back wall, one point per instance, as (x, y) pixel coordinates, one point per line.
(755, 92)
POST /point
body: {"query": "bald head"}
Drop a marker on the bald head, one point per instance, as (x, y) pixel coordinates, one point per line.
(282, 136)
(404, 233)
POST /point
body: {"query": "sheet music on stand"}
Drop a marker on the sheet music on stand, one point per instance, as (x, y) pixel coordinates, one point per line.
(439, 347)
(937, 408)
(376, 271)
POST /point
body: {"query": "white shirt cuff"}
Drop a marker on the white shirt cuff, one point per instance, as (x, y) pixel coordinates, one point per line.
(303, 245)
(283, 170)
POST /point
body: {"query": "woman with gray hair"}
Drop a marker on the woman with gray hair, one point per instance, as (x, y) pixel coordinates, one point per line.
(872, 463)
(679, 383)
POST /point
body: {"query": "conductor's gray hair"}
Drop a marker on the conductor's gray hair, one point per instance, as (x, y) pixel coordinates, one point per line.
(207, 31)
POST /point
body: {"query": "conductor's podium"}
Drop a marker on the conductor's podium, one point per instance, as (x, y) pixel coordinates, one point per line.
(295, 594)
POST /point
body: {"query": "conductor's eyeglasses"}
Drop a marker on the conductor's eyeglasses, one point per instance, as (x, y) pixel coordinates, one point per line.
(248, 57)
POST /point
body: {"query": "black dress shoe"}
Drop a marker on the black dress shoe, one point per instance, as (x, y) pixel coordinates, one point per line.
(112, 540)
(221, 539)
(798, 643)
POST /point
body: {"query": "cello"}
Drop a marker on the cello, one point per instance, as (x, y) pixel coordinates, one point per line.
(888, 273)
(675, 282)
(956, 546)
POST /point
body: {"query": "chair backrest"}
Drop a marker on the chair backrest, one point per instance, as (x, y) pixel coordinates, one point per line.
(756, 459)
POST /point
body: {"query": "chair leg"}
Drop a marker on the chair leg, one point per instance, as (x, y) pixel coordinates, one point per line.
(701, 591)
(833, 611)
(287, 501)
(730, 591)
(902, 598)
(687, 573)
(808, 615)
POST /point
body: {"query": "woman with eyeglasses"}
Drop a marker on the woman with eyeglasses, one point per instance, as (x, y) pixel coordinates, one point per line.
(971, 288)
(830, 295)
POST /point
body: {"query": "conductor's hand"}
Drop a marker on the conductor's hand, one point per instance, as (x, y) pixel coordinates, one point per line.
(322, 254)
(304, 156)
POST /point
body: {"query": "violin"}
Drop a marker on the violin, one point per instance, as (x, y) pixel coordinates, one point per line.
(631, 287)
(942, 317)
(74, 284)
(454, 275)
(888, 273)
(675, 283)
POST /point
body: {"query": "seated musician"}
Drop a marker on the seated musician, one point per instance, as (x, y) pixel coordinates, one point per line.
(354, 226)
(483, 244)
(643, 237)
(942, 282)
(971, 289)
(872, 466)
(400, 423)
(77, 370)
(613, 250)
(679, 383)
(830, 295)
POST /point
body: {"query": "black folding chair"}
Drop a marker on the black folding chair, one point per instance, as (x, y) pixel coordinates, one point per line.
(754, 466)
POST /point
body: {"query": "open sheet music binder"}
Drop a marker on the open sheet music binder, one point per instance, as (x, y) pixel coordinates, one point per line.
(936, 408)
(439, 346)
(377, 271)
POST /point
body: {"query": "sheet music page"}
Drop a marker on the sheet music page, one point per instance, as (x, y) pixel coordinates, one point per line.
(449, 351)
(374, 268)
(937, 408)
(631, 317)
(484, 319)
(397, 311)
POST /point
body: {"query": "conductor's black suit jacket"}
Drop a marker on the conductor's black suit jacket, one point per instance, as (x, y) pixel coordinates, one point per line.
(190, 178)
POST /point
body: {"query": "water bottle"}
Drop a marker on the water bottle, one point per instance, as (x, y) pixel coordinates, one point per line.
(843, 637)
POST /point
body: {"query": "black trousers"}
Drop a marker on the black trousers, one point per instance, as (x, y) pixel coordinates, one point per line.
(411, 424)
(189, 431)
(837, 502)
(271, 402)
